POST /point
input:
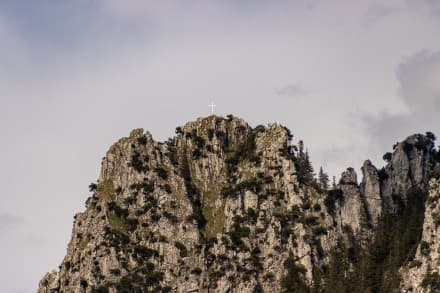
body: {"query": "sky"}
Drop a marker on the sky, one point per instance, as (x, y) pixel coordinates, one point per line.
(350, 78)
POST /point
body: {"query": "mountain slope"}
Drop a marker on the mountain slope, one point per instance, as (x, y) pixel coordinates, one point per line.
(223, 207)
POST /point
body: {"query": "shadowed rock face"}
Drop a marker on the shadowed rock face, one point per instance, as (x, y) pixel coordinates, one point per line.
(410, 166)
(219, 208)
(422, 273)
(370, 190)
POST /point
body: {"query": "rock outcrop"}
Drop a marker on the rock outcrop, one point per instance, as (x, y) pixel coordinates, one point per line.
(220, 208)
(423, 273)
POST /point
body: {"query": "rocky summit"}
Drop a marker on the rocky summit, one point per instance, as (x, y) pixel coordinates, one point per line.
(224, 207)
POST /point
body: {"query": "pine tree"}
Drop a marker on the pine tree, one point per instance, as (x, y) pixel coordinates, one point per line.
(323, 179)
(310, 175)
(303, 165)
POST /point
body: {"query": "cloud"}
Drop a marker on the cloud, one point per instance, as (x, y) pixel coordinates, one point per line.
(419, 77)
(75, 76)
(431, 7)
(7, 221)
(291, 90)
(375, 13)
(419, 89)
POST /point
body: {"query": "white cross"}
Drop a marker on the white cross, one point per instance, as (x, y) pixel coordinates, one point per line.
(212, 108)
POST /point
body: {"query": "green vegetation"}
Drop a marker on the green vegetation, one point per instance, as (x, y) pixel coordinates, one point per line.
(142, 280)
(179, 130)
(323, 179)
(237, 232)
(375, 268)
(424, 247)
(318, 231)
(142, 140)
(293, 281)
(93, 187)
(214, 216)
(106, 191)
(332, 197)
(196, 271)
(192, 191)
(431, 281)
(139, 162)
(245, 150)
(387, 157)
(161, 172)
(100, 289)
(303, 166)
(182, 248)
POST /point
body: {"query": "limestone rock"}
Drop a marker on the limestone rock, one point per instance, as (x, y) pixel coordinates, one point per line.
(219, 208)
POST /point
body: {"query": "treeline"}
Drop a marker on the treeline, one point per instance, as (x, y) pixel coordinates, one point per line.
(374, 268)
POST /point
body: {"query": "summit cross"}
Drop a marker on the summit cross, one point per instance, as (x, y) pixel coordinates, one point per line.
(212, 108)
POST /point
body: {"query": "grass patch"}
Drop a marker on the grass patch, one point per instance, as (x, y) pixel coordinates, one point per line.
(106, 191)
(117, 223)
(214, 216)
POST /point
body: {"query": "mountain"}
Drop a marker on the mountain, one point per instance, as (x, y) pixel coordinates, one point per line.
(224, 207)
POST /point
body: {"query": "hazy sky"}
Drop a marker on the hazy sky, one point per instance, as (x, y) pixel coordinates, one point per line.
(348, 77)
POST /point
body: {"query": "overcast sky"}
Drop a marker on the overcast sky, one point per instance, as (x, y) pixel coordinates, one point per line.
(350, 78)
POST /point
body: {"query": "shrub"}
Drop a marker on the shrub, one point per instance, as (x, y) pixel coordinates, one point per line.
(93, 187)
(333, 196)
(196, 271)
(142, 140)
(130, 200)
(293, 281)
(199, 141)
(120, 212)
(424, 247)
(319, 231)
(252, 184)
(237, 232)
(161, 172)
(435, 173)
(382, 173)
(307, 205)
(430, 135)
(67, 265)
(415, 263)
(84, 283)
(180, 246)
(196, 153)
(209, 148)
(132, 224)
(100, 289)
(145, 252)
(232, 159)
(167, 188)
(171, 217)
(310, 220)
(316, 207)
(137, 162)
(269, 276)
(387, 157)
(179, 130)
(407, 147)
(432, 281)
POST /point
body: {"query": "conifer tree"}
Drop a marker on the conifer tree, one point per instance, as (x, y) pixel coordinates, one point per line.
(303, 165)
(309, 167)
(323, 179)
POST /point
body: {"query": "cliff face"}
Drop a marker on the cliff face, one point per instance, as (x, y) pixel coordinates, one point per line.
(220, 208)
(422, 273)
